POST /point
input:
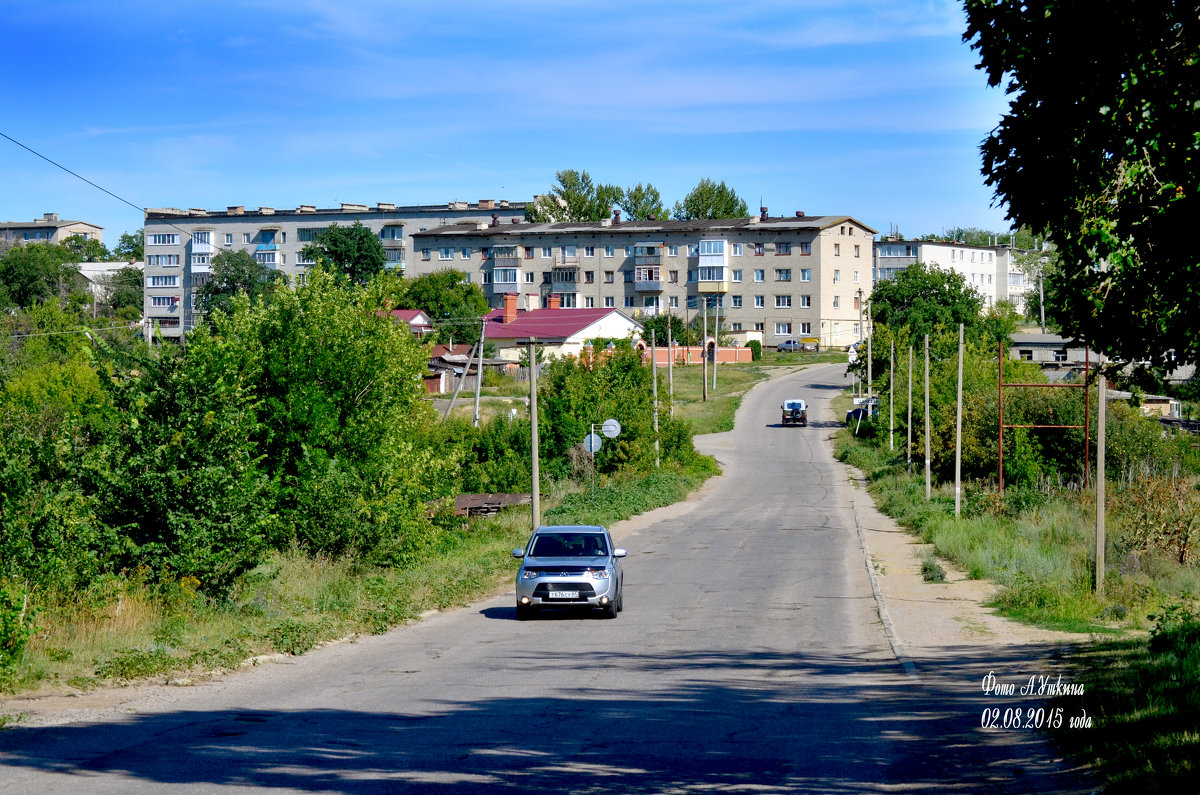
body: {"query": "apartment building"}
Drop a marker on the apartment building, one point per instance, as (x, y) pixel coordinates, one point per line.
(768, 278)
(180, 244)
(47, 229)
(990, 270)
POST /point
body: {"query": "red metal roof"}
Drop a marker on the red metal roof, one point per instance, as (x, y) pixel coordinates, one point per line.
(544, 324)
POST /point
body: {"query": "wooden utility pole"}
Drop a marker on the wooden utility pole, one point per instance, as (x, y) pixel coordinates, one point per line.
(704, 353)
(928, 474)
(654, 380)
(479, 370)
(908, 423)
(958, 431)
(892, 397)
(670, 362)
(534, 469)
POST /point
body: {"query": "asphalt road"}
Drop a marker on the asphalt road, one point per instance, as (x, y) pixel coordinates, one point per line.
(750, 658)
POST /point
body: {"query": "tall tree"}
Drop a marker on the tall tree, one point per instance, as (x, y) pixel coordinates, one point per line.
(1099, 147)
(710, 200)
(36, 272)
(640, 203)
(86, 249)
(925, 299)
(234, 273)
(354, 251)
(131, 247)
(452, 304)
(575, 197)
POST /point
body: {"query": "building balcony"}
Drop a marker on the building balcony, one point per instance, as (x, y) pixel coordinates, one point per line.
(505, 287)
(709, 287)
(557, 286)
(564, 261)
(202, 248)
(267, 247)
(649, 260)
(506, 262)
(648, 285)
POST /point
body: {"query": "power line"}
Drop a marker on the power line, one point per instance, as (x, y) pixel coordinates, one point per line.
(72, 173)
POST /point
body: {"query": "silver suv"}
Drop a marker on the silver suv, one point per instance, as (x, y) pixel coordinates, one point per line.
(570, 566)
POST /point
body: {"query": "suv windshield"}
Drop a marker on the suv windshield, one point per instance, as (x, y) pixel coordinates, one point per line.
(569, 545)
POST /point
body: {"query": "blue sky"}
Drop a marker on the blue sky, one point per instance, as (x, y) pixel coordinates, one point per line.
(871, 108)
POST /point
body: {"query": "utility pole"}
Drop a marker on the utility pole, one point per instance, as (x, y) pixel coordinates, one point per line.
(535, 474)
(716, 344)
(892, 397)
(654, 380)
(869, 377)
(1102, 388)
(479, 370)
(670, 361)
(928, 474)
(704, 353)
(908, 423)
(958, 431)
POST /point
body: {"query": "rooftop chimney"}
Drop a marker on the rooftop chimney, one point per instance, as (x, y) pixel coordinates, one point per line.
(617, 217)
(495, 218)
(238, 210)
(555, 302)
(510, 308)
(763, 213)
(799, 213)
(51, 217)
(516, 220)
(651, 218)
(486, 204)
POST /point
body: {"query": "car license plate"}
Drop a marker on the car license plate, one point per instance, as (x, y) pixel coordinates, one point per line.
(564, 594)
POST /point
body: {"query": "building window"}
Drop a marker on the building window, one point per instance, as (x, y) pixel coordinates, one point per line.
(628, 276)
(837, 302)
(610, 251)
(426, 254)
(856, 277)
(609, 277)
(737, 274)
(712, 247)
(783, 329)
(805, 249)
(201, 238)
(162, 240)
(843, 230)
(737, 249)
(856, 251)
(589, 251)
(736, 301)
(245, 238)
(837, 249)
(528, 252)
(629, 302)
(759, 249)
(783, 302)
(530, 276)
(546, 252)
(806, 302)
(164, 300)
(466, 253)
(673, 302)
(759, 326)
(589, 302)
(693, 250)
(609, 302)
(783, 274)
(673, 277)
(589, 277)
(446, 253)
(759, 302)
(485, 278)
(837, 275)
(504, 275)
(229, 239)
(783, 249)
(760, 275)
(629, 251)
(201, 260)
(162, 281)
(673, 251)
(546, 277)
(162, 260)
(806, 328)
(806, 274)
(736, 326)
(567, 300)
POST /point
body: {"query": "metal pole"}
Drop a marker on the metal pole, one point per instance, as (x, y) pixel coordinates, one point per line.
(958, 431)
(461, 380)
(1042, 296)
(892, 397)
(479, 371)
(704, 353)
(1000, 411)
(670, 362)
(908, 423)
(535, 474)
(1087, 413)
(928, 473)
(716, 346)
(1102, 387)
(654, 377)
(869, 376)
(593, 454)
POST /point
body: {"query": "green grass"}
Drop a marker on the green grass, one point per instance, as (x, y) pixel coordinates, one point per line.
(124, 630)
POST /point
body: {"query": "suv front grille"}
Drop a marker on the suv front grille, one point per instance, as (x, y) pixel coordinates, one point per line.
(586, 591)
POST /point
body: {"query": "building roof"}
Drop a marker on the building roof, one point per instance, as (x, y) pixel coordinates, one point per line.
(413, 317)
(484, 205)
(45, 223)
(548, 325)
(1022, 338)
(644, 229)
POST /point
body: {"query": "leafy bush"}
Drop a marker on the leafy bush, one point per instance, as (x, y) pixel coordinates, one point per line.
(294, 637)
(755, 350)
(16, 627)
(129, 664)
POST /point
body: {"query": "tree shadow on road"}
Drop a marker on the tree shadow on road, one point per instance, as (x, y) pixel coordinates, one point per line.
(753, 721)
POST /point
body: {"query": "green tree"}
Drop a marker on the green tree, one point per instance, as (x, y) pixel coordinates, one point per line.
(710, 200)
(124, 291)
(234, 273)
(658, 323)
(575, 197)
(86, 249)
(453, 305)
(37, 272)
(641, 203)
(354, 251)
(131, 247)
(1099, 147)
(924, 299)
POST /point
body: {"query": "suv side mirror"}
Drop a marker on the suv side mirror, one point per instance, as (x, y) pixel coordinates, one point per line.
(518, 553)
(619, 553)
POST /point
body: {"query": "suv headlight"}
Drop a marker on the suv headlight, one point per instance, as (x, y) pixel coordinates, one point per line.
(530, 575)
(599, 574)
